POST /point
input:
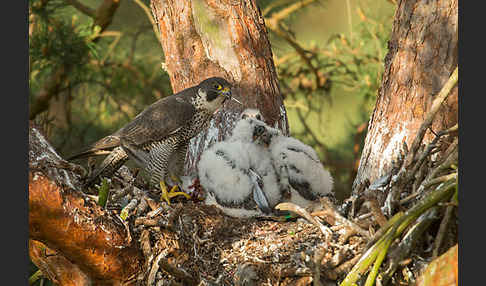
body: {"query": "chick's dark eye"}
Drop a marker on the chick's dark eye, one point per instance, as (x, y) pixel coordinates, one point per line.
(259, 117)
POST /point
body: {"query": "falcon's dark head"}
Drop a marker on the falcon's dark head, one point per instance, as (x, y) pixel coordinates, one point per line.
(213, 92)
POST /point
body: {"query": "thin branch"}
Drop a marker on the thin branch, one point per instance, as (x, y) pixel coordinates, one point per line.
(350, 23)
(442, 230)
(34, 277)
(284, 13)
(151, 19)
(338, 218)
(408, 241)
(82, 8)
(179, 273)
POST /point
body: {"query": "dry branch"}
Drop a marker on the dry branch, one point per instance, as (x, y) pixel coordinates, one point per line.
(333, 217)
(56, 266)
(95, 241)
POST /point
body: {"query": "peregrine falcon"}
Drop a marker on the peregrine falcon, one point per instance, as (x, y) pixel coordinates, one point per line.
(158, 137)
(238, 178)
(301, 173)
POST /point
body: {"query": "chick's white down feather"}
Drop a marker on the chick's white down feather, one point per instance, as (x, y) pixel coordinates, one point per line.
(220, 171)
(243, 130)
(232, 170)
(261, 163)
(235, 211)
(286, 165)
(302, 164)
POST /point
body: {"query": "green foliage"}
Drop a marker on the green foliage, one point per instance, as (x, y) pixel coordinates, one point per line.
(103, 192)
(330, 83)
(110, 76)
(56, 42)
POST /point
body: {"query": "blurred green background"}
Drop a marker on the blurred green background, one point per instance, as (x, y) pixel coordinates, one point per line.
(329, 58)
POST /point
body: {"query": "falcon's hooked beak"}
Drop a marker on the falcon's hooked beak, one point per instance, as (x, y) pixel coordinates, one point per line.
(228, 95)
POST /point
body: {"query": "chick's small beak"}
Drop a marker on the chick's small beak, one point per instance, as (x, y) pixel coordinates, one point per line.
(261, 135)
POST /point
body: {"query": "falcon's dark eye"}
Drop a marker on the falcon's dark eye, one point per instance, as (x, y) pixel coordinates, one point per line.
(218, 86)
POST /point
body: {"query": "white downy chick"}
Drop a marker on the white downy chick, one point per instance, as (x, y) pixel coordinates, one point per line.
(232, 184)
(299, 169)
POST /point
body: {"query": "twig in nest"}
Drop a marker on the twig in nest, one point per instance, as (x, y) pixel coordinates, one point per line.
(291, 272)
(155, 267)
(148, 221)
(338, 256)
(440, 179)
(336, 217)
(128, 208)
(450, 158)
(408, 241)
(145, 244)
(318, 256)
(155, 212)
(442, 230)
(178, 273)
(376, 211)
(346, 266)
(303, 213)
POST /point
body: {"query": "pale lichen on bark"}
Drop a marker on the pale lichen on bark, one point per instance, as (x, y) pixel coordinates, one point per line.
(216, 38)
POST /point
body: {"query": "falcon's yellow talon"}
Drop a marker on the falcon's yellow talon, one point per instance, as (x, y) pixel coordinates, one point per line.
(167, 195)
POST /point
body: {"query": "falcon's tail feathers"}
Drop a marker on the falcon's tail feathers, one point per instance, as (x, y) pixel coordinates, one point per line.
(100, 147)
(109, 166)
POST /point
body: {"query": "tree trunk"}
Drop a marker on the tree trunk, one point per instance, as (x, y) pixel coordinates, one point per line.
(203, 38)
(422, 55)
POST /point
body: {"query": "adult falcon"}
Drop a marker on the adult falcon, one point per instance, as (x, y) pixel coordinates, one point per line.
(158, 137)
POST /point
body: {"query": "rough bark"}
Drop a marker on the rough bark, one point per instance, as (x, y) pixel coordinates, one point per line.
(204, 38)
(87, 245)
(422, 55)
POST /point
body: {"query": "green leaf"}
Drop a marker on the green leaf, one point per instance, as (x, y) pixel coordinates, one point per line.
(103, 192)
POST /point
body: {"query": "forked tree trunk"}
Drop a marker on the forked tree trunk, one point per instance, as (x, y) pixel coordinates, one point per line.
(203, 38)
(422, 55)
